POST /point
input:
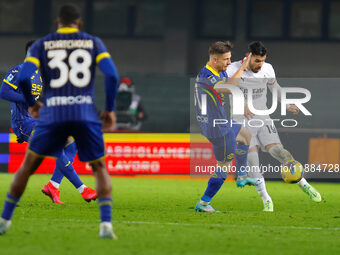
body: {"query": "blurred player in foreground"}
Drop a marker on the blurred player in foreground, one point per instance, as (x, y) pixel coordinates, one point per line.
(226, 140)
(67, 60)
(23, 124)
(259, 76)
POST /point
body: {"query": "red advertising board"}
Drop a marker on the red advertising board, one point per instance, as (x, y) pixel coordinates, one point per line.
(133, 153)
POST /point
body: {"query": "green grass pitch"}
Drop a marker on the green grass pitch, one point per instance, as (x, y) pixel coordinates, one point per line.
(156, 216)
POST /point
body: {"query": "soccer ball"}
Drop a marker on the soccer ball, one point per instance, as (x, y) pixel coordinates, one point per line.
(292, 171)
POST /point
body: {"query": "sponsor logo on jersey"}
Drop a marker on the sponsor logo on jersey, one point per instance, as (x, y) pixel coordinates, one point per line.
(10, 77)
(68, 100)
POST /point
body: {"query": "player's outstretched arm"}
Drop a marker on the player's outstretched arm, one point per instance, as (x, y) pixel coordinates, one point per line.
(235, 79)
(8, 93)
(109, 69)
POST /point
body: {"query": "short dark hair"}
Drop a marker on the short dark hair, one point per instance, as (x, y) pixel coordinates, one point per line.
(257, 48)
(28, 45)
(220, 47)
(68, 14)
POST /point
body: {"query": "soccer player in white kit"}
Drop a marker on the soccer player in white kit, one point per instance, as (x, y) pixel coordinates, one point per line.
(255, 80)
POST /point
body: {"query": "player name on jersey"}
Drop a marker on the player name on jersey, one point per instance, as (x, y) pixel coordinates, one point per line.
(68, 44)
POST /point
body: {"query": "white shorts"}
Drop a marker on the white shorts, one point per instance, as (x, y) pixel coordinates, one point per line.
(263, 136)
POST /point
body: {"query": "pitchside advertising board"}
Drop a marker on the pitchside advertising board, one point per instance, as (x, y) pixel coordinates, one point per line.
(129, 154)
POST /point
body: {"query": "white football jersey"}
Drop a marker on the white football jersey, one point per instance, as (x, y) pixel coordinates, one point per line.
(256, 83)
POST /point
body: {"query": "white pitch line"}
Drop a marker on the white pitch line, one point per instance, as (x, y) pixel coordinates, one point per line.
(188, 224)
(224, 225)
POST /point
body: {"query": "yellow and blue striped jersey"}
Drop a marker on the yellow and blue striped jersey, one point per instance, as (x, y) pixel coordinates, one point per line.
(67, 60)
(10, 90)
(209, 103)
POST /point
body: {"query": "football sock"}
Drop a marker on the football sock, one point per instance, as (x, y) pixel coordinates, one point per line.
(57, 177)
(81, 188)
(71, 151)
(9, 206)
(105, 207)
(302, 182)
(254, 171)
(54, 184)
(260, 186)
(64, 165)
(214, 184)
(241, 154)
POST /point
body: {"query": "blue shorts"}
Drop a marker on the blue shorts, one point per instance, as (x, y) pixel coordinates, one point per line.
(23, 128)
(50, 139)
(224, 147)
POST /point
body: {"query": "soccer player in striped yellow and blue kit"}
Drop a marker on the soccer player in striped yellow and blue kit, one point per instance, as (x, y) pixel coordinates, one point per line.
(67, 60)
(23, 124)
(227, 140)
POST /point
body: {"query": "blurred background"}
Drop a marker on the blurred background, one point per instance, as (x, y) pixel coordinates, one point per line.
(161, 44)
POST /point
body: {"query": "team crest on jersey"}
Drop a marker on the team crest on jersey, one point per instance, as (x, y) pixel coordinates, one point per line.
(213, 80)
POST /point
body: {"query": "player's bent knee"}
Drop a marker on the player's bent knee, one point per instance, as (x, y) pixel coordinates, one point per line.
(244, 136)
(240, 139)
(97, 165)
(31, 162)
(247, 136)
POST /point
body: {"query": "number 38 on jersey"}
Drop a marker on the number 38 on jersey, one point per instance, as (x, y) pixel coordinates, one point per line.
(79, 71)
